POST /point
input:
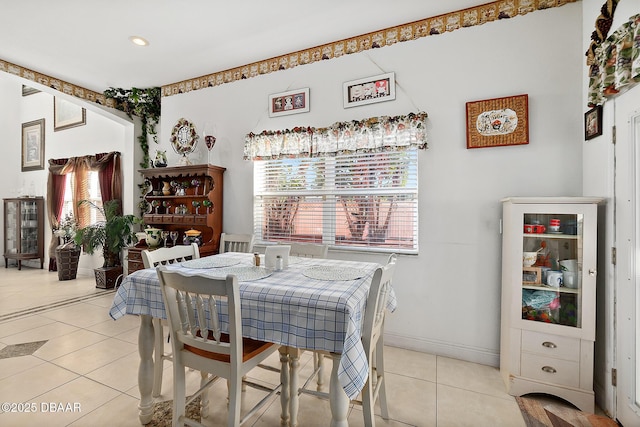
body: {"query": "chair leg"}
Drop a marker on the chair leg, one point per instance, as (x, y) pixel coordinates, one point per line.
(204, 396)
(380, 372)
(179, 395)
(235, 396)
(368, 400)
(318, 363)
(158, 349)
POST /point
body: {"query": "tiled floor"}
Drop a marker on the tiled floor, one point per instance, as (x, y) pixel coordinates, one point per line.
(86, 372)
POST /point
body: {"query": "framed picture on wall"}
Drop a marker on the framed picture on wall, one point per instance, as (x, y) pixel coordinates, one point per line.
(497, 122)
(369, 90)
(67, 114)
(593, 123)
(33, 145)
(28, 90)
(291, 102)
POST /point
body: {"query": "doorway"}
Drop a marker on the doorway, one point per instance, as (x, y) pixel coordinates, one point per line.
(627, 296)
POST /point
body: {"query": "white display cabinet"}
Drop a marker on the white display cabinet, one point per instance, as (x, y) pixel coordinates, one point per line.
(549, 259)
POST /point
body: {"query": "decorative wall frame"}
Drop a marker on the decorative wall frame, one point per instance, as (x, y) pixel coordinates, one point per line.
(593, 123)
(369, 90)
(290, 102)
(67, 114)
(498, 122)
(28, 90)
(33, 145)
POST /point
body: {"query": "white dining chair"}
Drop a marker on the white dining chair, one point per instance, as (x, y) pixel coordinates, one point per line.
(308, 250)
(236, 242)
(373, 343)
(199, 343)
(151, 259)
(274, 251)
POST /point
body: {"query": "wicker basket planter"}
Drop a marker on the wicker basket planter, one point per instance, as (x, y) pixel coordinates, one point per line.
(67, 259)
(108, 277)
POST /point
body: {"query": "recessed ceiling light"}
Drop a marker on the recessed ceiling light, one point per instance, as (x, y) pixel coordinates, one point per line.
(137, 40)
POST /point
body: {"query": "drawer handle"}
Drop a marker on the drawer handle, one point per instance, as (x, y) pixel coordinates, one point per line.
(549, 369)
(549, 344)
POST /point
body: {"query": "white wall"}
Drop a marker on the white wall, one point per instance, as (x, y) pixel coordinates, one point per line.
(103, 132)
(449, 294)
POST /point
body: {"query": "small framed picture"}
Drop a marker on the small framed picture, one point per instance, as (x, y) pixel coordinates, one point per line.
(593, 123)
(369, 90)
(28, 90)
(532, 275)
(67, 114)
(33, 145)
(291, 102)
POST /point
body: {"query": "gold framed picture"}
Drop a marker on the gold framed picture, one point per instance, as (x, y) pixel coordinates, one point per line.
(67, 114)
(498, 122)
(33, 145)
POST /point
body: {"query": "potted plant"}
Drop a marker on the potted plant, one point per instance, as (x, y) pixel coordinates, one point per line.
(113, 234)
(67, 253)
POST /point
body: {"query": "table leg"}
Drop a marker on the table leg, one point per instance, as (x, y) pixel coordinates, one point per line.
(338, 399)
(285, 394)
(145, 370)
(294, 364)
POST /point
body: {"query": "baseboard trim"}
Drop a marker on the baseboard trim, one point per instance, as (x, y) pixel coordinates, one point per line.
(482, 356)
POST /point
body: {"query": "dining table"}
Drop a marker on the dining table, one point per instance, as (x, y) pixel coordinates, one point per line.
(313, 304)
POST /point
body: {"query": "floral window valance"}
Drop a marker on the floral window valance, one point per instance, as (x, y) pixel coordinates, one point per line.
(616, 63)
(370, 135)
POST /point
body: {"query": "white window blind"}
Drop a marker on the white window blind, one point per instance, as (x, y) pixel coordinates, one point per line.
(90, 190)
(359, 201)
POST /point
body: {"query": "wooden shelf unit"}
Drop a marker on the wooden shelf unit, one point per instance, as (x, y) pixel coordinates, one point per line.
(209, 223)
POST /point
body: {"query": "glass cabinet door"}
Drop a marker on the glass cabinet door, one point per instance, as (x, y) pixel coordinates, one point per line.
(11, 228)
(552, 262)
(28, 227)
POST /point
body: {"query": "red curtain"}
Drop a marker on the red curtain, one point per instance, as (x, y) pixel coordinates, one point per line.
(110, 179)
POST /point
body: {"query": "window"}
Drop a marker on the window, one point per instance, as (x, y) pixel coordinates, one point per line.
(90, 191)
(355, 201)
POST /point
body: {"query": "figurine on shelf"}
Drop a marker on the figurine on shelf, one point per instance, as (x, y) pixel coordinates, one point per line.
(207, 204)
(196, 184)
(161, 159)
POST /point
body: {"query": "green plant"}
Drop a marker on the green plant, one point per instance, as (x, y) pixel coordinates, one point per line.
(112, 235)
(143, 103)
(67, 228)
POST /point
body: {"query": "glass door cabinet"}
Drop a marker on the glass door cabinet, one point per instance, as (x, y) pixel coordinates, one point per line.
(549, 258)
(23, 230)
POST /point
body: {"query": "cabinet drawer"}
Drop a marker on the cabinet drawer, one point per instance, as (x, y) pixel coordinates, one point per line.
(135, 256)
(551, 345)
(547, 369)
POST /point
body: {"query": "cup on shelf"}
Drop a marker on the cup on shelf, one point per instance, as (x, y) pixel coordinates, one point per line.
(554, 278)
(529, 228)
(570, 279)
(554, 225)
(539, 228)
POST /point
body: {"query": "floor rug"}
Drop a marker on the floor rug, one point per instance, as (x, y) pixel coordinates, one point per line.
(163, 413)
(546, 411)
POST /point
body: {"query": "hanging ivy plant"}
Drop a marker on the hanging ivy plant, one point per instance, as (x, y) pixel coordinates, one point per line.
(145, 104)
(142, 103)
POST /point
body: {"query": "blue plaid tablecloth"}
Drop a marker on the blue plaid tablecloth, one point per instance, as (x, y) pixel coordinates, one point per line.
(285, 308)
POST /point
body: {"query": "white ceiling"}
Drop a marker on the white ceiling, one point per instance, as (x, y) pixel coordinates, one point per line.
(86, 43)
